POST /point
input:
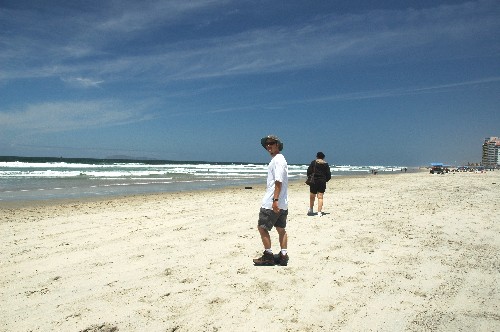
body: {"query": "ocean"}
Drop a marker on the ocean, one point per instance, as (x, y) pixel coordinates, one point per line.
(39, 178)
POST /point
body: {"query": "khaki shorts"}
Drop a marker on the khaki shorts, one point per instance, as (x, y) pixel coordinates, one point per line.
(269, 219)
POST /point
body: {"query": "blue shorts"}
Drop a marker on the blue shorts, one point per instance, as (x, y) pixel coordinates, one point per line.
(269, 219)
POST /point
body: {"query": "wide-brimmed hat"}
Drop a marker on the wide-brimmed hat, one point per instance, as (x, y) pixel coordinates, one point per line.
(263, 141)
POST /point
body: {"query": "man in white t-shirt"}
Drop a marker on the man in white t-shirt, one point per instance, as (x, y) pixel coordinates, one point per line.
(274, 208)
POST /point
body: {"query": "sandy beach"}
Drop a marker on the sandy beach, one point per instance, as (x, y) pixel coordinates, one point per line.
(401, 252)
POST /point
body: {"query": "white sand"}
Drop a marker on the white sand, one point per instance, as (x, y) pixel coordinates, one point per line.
(405, 252)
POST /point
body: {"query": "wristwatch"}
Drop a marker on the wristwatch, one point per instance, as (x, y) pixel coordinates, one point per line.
(275, 199)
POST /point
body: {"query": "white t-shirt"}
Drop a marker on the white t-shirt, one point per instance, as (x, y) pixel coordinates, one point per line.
(276, 171)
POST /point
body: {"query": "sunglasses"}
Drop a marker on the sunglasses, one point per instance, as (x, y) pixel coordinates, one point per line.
(270, 143)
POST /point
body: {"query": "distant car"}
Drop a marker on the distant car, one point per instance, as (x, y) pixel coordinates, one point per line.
(437, 169)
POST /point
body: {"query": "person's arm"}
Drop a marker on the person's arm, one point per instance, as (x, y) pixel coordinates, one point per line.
(277, 191)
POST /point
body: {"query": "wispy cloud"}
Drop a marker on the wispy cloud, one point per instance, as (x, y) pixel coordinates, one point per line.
(67, 116)
(81, 81)
(63, 40)
(361, 95)
(398, 92)
(458, 84)
(90, 47)
(339, 39)
(132, 16)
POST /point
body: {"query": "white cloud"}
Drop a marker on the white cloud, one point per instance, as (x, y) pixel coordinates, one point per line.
(81, 81)
(459, 84)
(89, 47)
(389, 93)
(134, 16)
(66, 116)
(333, 40)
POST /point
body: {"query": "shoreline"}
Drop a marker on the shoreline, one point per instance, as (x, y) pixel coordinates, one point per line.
(18, 204)
(77, 178)
(412, 252)
(111, 198)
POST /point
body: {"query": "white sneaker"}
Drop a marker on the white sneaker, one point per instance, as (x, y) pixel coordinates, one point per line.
(310, 212)
(320, 214)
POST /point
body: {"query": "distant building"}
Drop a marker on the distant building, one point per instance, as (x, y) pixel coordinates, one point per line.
(491, 152)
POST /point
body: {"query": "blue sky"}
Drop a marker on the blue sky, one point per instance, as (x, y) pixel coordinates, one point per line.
(366, 82)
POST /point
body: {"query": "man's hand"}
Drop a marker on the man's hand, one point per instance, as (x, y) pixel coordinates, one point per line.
(277, 190)
(276, 209)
